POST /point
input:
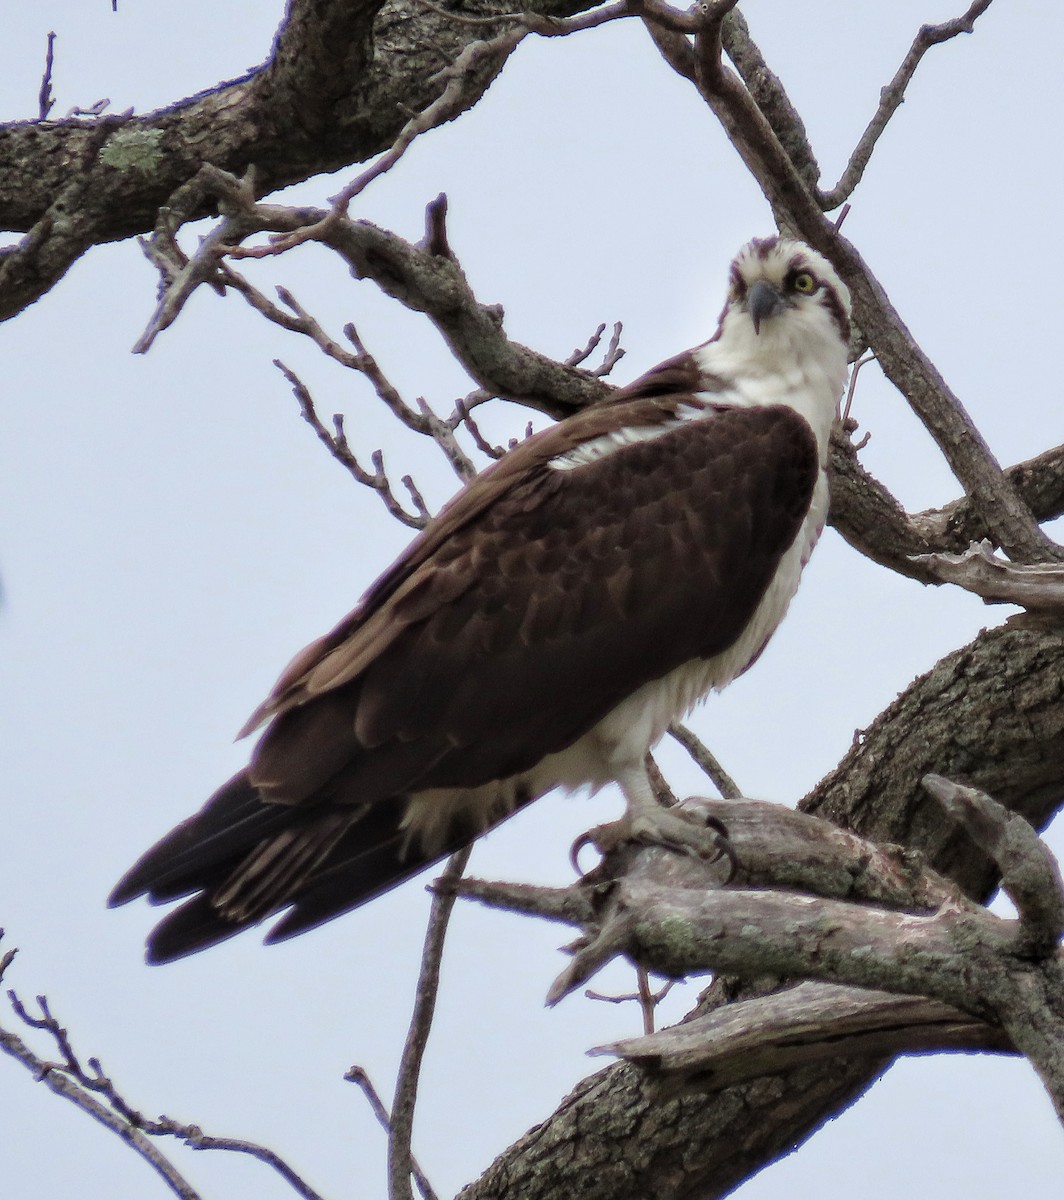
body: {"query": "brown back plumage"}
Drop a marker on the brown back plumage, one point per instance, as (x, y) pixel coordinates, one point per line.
(536, 602)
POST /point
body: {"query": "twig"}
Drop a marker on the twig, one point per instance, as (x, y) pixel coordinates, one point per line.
(443, 435)
(400, 1156)
(181, 276)
(337, 445)
(421, 420)
(891, 98)
(863, 361)
(706, 761)
(357, 1075)
(45, 99)
(648, 1000)
(613, 354)
(462, 412)
(83, 1084)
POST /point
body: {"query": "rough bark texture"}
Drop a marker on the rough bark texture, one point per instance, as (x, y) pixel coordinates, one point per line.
(335, 90)
(991, 714)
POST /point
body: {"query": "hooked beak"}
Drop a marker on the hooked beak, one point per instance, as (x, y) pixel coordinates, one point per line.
(763, 301)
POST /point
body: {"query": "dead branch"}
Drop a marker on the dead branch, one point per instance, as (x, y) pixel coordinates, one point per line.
(400, 1157)
(891, 98)
(807, 1023)
(675, 918)
(337, 445)
(247, 119)
(88, 1087)
(1030, 875)
(1034, 586)
(357, 1075)
(706, 761)
(45, 99)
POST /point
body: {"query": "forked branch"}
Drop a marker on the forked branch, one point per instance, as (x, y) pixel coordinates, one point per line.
(86, 1085)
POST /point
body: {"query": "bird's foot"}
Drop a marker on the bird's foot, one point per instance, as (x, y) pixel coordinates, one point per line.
(684, 831)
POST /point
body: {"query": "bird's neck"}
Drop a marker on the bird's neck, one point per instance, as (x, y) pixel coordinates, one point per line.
(785, 364)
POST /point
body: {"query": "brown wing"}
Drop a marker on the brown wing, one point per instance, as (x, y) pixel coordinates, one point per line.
(540, 599)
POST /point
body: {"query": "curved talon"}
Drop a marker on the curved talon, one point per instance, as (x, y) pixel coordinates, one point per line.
(726, 850)
(585, 839)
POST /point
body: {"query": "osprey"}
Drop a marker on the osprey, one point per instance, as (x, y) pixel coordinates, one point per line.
(542, 631)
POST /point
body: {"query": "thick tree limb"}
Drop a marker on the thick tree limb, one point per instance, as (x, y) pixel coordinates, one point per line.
(992, 713)
(801, 1024)
(337, 89)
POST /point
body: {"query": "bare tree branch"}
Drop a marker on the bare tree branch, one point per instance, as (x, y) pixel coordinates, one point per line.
(806, 1023)
(891, 98)
(902, 359)
(358, 1075)
(351, 71)
(337, 445)
(82, 1085)
(1004, 688)
(1038, 586)
(1029, 873)
(400, 1156)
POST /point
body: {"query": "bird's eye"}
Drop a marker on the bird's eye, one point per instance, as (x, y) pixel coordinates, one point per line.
(804, 283)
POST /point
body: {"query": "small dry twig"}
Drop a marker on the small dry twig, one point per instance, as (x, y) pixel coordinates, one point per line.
(95, 1093)
(647, 999)
(891, 98)
(400, 1156)
(337, 445)
(45, 99)
(358, 1076)
(863, 361)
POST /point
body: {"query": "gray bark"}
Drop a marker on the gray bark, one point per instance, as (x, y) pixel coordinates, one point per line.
(992, 714)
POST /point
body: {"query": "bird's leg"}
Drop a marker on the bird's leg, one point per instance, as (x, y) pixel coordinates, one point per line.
(646, 821)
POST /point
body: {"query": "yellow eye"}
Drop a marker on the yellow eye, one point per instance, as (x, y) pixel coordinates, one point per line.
(804, 283)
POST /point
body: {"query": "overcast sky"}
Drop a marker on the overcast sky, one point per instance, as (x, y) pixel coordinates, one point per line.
(171, 532)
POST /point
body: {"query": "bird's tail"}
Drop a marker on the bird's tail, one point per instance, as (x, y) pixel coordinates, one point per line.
(241, 859)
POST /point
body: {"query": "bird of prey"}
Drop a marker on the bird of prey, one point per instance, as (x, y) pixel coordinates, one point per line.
(543, 631)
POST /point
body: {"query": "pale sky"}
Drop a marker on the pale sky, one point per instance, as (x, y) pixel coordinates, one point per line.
(171, 533)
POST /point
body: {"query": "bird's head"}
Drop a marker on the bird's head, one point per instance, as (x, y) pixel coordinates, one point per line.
(783, 289)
